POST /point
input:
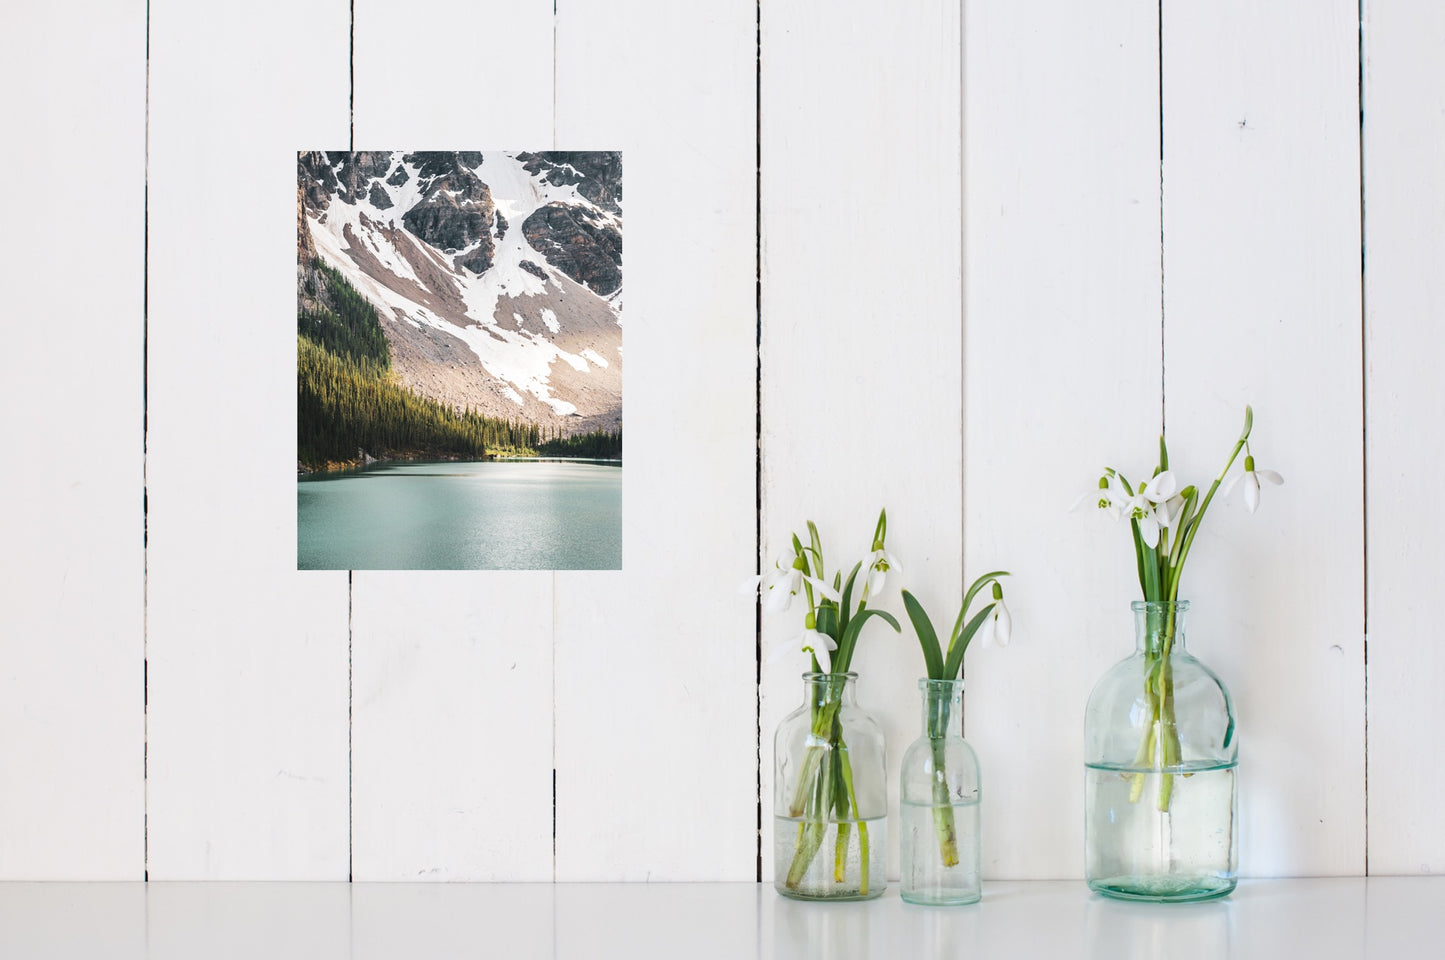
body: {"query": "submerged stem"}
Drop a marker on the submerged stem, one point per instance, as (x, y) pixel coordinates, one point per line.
(825, 796)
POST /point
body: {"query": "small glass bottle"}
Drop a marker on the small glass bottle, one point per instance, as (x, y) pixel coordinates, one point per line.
(830, 802)
(940, 793)
(1160, 755)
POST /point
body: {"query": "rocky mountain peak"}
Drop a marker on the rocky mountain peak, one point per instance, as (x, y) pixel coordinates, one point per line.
(496, 276)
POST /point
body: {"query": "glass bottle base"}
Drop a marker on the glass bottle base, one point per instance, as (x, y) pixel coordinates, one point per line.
(1164, 889)
(830, 860)
(924, 900)
(851, 897)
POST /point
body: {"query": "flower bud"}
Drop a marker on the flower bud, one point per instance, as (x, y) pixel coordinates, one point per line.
(997, 591)
(1248, 463)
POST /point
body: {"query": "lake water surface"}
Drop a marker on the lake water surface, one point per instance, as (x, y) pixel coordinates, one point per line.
(496, 515)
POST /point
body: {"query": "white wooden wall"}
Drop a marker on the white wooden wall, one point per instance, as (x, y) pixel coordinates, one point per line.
(998, 246)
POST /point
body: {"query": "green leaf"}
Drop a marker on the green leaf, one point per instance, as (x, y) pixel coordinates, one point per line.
(849, 640)
(847, 610)
(955, 653)
(827, 620)
(817, 547)
(1248, 422)
(1139, 557)
(927, 638)
(1163, 455)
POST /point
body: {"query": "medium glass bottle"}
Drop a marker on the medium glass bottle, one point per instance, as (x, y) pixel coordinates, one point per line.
(1160, 755)
(940, 793)
(830, 801)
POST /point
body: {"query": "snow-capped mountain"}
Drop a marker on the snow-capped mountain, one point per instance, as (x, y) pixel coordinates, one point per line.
(497, 276)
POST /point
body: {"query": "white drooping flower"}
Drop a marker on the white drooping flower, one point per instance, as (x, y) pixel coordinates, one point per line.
(1000, 622)
(1143, 506)
(1107, 495)
(879, 564)
(785, 581)
(1251, 478)
(1170, 511)
(806, 641)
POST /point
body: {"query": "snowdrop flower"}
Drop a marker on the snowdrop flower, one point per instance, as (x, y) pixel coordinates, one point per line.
(784, 582)
(1170, 511)
(1251, 478)
(1161, 488)
(880, 563)
(1105, 496)
(1142, 507)
(806, 641)
(1000, 622)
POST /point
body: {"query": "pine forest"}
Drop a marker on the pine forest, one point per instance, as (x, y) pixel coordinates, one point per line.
(349, 403)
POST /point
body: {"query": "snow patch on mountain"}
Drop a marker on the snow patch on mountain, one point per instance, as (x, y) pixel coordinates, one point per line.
(549, 318)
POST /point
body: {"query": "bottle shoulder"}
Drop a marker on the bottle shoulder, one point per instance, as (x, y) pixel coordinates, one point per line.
(1141, 702)
(943, 764)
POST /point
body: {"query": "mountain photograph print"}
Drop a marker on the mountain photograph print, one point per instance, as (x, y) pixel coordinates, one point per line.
(459, 360)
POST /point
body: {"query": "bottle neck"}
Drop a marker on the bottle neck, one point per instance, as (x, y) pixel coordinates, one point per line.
(942, 708)
(830, 689)
(1159, 626)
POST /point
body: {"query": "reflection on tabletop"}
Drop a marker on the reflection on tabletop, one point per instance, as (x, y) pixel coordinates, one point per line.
(1320, 919)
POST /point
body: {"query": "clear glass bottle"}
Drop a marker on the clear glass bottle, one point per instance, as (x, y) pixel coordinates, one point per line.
(940, 793)
(1160, 753)
(830, 801)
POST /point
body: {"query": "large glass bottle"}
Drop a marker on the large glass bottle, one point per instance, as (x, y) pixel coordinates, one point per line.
(939, 796)
(830, 802)
(1160, 753)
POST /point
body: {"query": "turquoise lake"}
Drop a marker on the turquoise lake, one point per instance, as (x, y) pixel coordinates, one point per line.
(494, 515)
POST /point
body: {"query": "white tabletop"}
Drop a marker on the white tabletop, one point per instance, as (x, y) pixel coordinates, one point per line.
(1392, 918)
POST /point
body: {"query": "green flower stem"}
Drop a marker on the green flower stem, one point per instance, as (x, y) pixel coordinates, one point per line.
(852, 802)
(840, 853)
(1176, 566)
(825, 788)
(944, 825)
(943, 822)
(1145, 753)
(823, 720)
(1159, 747)
(812, 830)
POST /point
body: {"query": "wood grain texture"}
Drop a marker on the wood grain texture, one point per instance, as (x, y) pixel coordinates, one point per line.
(452, 687)
(1404, 87)
(655, 665)
(1262, 305)
(247, 657)
(72, 735)
(861, 327)
(1062, 378)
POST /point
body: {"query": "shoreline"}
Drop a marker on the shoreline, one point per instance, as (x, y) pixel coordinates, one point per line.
(304, 471)
(366, 460)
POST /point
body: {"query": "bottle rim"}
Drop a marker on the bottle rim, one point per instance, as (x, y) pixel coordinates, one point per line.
(928, 683)
(1139, 606)
(811, 677)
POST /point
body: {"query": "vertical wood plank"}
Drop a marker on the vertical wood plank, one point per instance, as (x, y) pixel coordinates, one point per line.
(72, 721)
(452, 685)
(1061, 377)
(452, 736)
(655, 665)
(247, 658)
(1262, 304)
(861, 329)
(1404, 88)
